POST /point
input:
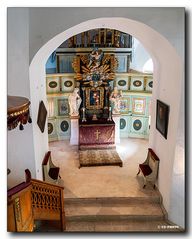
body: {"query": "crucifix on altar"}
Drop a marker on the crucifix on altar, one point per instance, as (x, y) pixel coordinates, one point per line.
(97, 133)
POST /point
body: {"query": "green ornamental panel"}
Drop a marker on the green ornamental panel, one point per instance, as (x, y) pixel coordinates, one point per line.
(52, 134)
(122, 123)
(64, 125)
(139, 127)
(137, 124)
(53, 84)
(68, 83)
(122, 82)
(137, 83)
(151, 84)
(50, 128)
(63, 128)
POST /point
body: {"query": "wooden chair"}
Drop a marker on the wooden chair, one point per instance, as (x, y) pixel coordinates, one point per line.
(50, 171)
(149, 168)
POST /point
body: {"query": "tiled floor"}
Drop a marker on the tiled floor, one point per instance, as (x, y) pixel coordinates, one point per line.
(102, 181)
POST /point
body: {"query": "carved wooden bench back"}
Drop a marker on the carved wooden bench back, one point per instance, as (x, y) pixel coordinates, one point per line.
(50, 171)
(149, 168)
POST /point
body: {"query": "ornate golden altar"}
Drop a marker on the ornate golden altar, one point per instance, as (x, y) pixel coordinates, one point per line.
(94, 72)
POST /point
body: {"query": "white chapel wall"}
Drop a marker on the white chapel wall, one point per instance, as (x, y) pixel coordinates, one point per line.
(20, 150)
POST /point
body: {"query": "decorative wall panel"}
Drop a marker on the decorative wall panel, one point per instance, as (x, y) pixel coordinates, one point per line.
(137, 125)
(53, 84)
(67, 83)
(124, 126)
(149, 84)
(52, 131)
(138, 106)
(137, 83)
(124, 105)
(63, 127)
(122, 83)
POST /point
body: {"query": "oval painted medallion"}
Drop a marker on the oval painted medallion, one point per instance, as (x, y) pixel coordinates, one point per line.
(52, 84)
(68, 83)
(137, 83)
(122, 83)
(151, 84)
(122, 123)
(137, 124)
(64, 125)
(50, 128)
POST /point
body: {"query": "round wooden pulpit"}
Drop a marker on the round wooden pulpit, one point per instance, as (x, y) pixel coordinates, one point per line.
(17, 112)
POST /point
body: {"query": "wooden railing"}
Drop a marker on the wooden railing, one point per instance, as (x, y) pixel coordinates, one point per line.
(34, 200)
(47, 202)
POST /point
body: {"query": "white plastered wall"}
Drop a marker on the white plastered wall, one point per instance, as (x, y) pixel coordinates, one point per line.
(20, 153)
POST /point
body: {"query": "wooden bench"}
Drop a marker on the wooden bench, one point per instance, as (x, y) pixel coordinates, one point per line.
(149, 168)
(50, 171)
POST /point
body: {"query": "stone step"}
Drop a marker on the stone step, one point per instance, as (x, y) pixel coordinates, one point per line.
(95, 210)
(121, 226)
(114, 200)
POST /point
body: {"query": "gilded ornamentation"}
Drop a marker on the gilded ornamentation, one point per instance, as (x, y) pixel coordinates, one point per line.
(17, 210)
(95, 69)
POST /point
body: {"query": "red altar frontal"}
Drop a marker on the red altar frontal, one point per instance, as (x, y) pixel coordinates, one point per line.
(97, 134)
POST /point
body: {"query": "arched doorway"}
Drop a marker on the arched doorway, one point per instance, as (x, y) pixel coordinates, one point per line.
(167, 73)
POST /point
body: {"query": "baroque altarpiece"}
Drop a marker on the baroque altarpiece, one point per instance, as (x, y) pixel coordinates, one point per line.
(94, 74)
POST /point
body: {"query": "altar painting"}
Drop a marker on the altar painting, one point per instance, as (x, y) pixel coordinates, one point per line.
(94, 98)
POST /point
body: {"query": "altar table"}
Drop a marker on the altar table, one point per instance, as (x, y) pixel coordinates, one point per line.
(97, 134)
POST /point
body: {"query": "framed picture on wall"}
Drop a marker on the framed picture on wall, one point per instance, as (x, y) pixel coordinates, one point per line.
(94, 98)
(42, 114)
(138, 106)
(63, 107)
(162, 118)
(124, 105)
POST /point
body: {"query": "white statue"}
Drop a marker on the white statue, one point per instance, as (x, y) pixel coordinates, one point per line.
(74, 102)
(115, 98)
